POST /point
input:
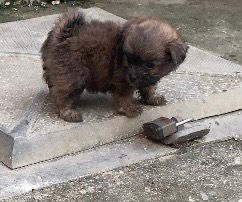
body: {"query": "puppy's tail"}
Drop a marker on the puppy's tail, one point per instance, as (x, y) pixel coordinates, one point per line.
(68, 25)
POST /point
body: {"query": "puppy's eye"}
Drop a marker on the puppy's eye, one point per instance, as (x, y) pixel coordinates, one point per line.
(150, 65)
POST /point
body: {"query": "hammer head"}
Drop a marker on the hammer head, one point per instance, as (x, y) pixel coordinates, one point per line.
(164, 130)
(160, 128)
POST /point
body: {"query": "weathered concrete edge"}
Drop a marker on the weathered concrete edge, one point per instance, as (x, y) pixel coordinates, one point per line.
(30, 114)
(6, 149)
(8, 136)
(41, 147)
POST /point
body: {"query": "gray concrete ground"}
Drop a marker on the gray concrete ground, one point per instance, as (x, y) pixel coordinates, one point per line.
(210, 172)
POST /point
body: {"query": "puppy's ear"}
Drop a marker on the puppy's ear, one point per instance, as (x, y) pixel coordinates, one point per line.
(177, 51)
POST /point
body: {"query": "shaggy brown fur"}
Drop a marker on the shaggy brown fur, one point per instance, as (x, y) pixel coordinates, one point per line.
(105, 57)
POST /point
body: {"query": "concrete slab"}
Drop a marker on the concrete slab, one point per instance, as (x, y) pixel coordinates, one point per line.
(30, 128)
(107, 157)
(197, 61)
(20, 79)
(31, 147)
(27, 36)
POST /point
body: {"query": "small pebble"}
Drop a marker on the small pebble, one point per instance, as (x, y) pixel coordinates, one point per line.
(237, 161)
(55, 2)
(191, 199)
(204, 196)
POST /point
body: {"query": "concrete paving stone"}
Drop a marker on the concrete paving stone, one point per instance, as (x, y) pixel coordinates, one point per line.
(175, 87)
(39, 146)
(105, 158)
(31, 131)
(27, 36)
(20, 80)
(207, 62)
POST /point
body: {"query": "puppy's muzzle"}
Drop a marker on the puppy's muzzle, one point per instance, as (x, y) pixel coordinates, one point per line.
(140, 79)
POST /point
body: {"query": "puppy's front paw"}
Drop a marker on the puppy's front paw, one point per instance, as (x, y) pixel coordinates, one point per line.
(71, 115)
(131, 111)
(155, 100)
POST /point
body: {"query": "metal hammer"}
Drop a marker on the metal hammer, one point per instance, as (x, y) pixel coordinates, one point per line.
(172, 131)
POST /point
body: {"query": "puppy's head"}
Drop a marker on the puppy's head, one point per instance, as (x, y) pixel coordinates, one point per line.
(149, 49)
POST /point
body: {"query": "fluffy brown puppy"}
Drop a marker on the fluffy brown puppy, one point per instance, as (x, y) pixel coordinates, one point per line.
(106, 57)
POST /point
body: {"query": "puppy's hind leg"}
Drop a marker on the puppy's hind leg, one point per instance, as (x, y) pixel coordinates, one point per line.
(66, 96)
(66, 106)
(67, 90)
